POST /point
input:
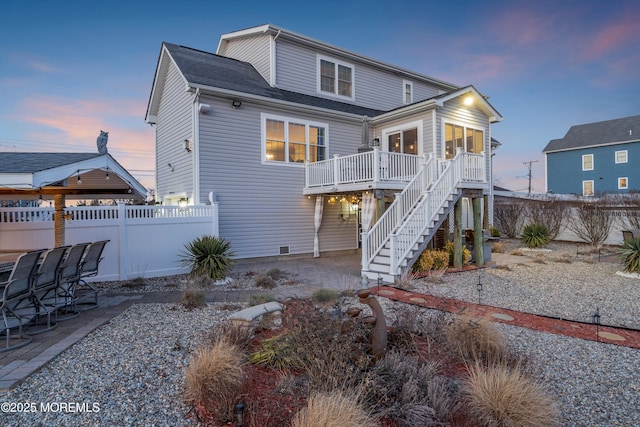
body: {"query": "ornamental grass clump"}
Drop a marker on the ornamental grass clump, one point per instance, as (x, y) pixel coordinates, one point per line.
(335, 408)
(209, 256)
(535, 235)
(475, 340)
(630, 255)
(502, 396)
(214, 377)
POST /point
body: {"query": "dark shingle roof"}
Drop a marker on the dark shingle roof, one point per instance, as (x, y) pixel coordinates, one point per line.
(600, 133)
(208, 69)
(36, 162)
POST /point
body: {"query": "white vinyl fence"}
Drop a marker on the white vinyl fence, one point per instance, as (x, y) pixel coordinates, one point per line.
(145, 241)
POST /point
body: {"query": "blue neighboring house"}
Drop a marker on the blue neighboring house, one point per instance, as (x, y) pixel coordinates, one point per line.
(595, 158)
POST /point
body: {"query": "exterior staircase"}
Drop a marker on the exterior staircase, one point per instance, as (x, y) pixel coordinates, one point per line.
(396, 240)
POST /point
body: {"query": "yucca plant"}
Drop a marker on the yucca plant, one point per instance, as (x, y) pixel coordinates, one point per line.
(535, 235)
(208, 256)
(630, 255)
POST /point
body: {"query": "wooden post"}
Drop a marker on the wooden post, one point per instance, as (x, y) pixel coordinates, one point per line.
(478, 238)
(485, 218)
(58, 223)
(457, 235)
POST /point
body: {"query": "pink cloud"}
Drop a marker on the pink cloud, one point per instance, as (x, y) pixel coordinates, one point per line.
(72, 125)
(612, 38)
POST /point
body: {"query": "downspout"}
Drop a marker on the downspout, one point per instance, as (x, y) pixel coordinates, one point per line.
(195, 135)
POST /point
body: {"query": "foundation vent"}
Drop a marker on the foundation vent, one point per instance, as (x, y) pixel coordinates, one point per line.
(284, 250)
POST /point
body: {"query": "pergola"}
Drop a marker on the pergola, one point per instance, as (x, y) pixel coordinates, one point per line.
(61, 176)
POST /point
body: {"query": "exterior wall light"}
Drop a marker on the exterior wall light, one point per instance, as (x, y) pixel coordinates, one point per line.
(236, 103)
(468, 100)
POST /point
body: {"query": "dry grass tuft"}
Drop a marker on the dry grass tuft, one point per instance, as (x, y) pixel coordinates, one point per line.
(324, 295)
(501, 396)
(215, 376)
(333, 409)
(475, 340)
(517, 252)
(498, 247)
(192, 299)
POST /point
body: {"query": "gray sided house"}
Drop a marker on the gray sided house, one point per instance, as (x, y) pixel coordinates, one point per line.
(595, 158)
(310, 148)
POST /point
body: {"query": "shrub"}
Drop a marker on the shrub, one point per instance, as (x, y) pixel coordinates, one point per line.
(214, 377)
(475, 340)
(497, 247)
(265, 282)
(193, 299)
(325, 295)
(208, 255)
(494, 231)
(274, 273)
(630, 255)
(333, 409)
(501, 396)
(421, 397)
(466, 253)
(432, 260)
(535, 235)
(592, 222)
(508, 218)
(550, 213)
(277, 352)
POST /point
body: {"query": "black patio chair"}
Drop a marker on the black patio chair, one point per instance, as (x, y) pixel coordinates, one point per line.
(44, 285)
(64, 297)
(89, 268)
(17, 305)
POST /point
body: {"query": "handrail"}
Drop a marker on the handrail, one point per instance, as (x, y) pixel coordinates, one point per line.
(415, 208)
(370, 166)
(379, 233)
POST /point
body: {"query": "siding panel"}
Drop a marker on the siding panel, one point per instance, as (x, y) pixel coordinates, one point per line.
(255, 50)
(374, 87)
(261, 205)
(173, 127)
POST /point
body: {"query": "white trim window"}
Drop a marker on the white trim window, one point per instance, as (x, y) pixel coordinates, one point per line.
(622, 156)
(456, 136)
(293, 141)
(587, 188)
(335, 77)
(406, 138)
(587, 162)
(623, 183)
(407, 92)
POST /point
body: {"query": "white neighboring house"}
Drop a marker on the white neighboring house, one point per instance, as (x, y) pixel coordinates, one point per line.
(305, 145)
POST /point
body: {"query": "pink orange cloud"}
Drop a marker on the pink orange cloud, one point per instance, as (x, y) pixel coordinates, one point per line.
(613, 37)
(72, 125)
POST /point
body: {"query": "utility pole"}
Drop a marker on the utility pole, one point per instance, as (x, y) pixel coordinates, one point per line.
(529, 165)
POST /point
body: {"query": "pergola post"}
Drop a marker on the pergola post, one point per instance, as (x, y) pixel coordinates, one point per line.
(58, 224)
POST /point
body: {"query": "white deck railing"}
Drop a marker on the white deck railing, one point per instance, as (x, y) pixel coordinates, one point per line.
(371, 166)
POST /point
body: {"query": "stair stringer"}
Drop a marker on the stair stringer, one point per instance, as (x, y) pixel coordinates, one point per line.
(432, 232)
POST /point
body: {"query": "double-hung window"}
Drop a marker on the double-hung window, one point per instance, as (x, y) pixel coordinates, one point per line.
(623, 183)
(587, 188)
(468, 139)
(335, 77)
(587, 162)
(622, 156)
(294, 141)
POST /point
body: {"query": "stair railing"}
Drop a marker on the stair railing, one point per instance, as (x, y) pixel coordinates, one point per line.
(425, 212)
(378, 235)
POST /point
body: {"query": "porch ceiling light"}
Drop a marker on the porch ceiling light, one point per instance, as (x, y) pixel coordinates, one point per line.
(468, 100)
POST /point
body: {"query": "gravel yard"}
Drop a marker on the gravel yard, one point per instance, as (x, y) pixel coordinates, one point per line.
(130, 371)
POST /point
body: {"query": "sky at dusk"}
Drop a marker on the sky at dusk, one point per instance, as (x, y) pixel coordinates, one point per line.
(69, 69)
